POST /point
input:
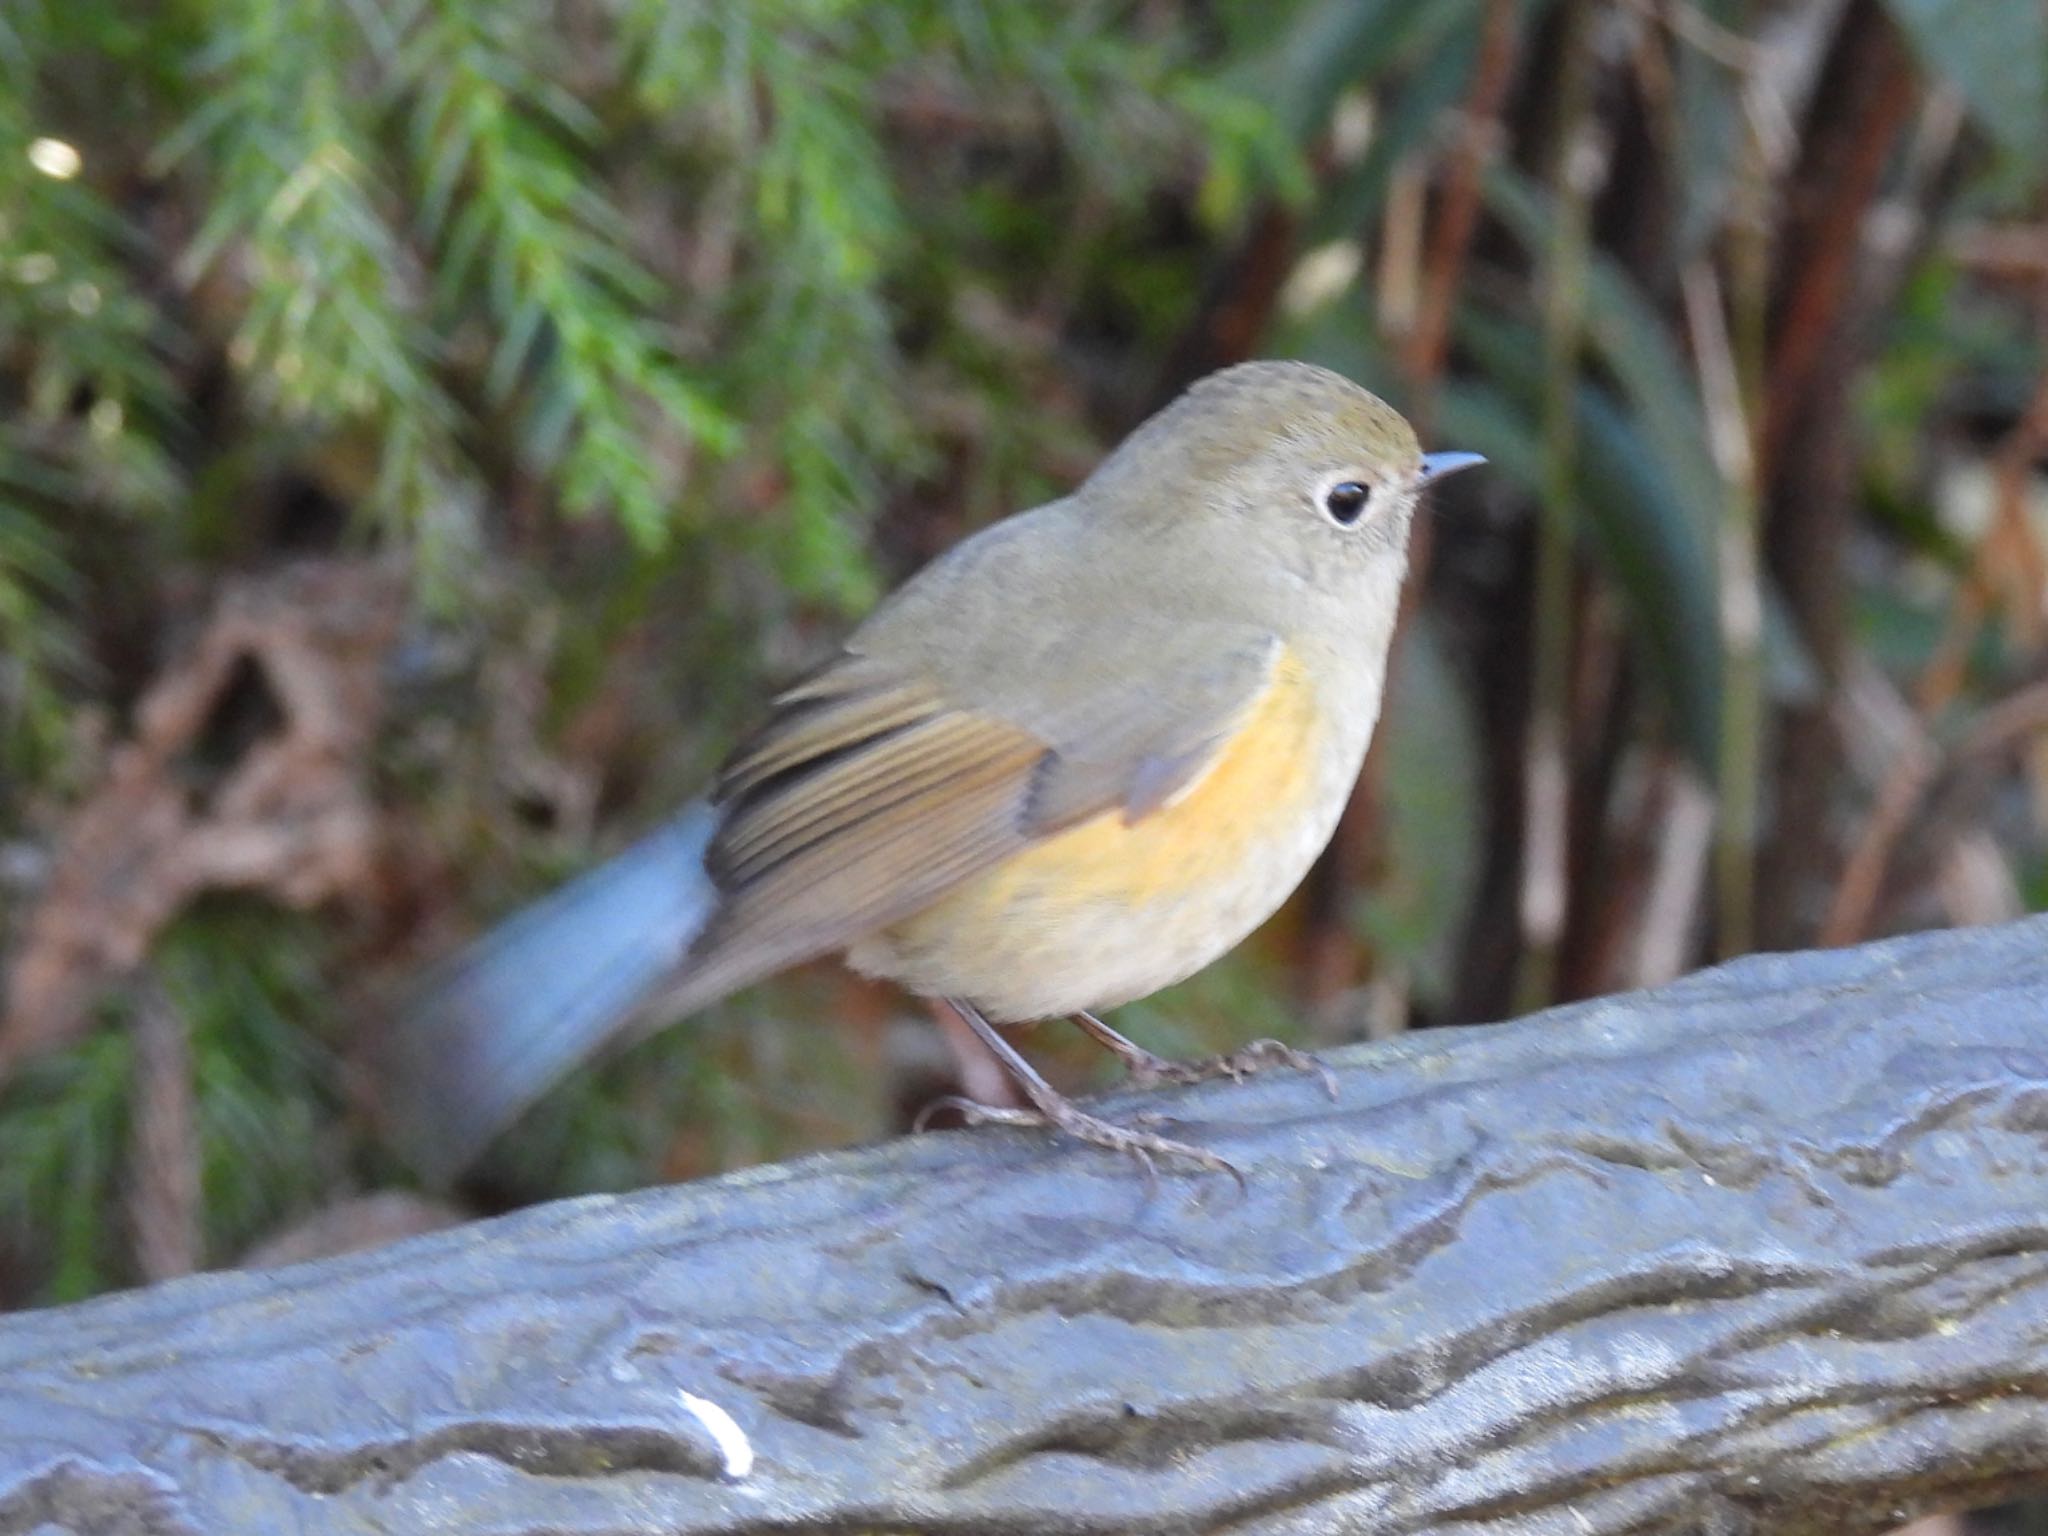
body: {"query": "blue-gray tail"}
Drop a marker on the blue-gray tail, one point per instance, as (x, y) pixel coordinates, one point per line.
(491, 1030)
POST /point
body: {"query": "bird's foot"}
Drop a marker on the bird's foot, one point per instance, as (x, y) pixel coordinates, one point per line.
(1148, 1070)
(1057, 1114)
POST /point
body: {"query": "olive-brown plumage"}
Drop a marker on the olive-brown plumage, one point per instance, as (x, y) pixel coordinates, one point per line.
(1071, 761)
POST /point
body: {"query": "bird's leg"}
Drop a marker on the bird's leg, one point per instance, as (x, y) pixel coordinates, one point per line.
(1146, 1068)
(1051, 1108)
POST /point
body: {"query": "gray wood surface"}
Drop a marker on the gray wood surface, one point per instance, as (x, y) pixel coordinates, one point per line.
(1764, 1250)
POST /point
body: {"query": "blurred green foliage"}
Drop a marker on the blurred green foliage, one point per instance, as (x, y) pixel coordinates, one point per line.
(701, 273)
(653, 338)
(630, 254)
(245, 983)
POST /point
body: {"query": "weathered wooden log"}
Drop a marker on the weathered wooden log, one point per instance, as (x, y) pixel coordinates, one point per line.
(1764, 1250)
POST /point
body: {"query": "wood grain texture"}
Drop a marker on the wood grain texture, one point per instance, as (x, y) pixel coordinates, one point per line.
(1764, 1250)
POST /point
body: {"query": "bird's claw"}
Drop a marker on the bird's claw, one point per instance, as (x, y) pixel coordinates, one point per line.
(1145, 1146)
(1246, 1061)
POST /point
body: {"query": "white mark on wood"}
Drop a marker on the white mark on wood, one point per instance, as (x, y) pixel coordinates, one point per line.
(725, 1432)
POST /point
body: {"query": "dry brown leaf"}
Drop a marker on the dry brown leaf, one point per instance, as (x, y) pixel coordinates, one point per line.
(245, 772)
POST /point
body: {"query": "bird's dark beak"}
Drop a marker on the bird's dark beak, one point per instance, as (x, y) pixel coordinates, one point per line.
(1436, 465)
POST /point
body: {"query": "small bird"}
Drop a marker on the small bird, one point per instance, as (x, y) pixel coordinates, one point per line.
(1072, 761)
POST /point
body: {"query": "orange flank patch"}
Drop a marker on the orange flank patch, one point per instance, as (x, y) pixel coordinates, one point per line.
(1110, 909)
(1251, 796)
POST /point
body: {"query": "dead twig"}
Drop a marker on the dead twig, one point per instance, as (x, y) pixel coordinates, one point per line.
(1869, 92)
(1671, 907)
(1914, 769)
(164, 1196)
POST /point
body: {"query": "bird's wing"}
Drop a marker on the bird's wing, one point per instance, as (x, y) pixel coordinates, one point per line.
(870, 791)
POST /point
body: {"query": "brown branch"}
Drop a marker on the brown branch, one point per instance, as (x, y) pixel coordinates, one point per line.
(1863, 101)
(1830, 286)
(1762, 1251)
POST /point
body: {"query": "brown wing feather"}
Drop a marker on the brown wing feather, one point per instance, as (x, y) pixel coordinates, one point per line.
(860, 801)
(830, 710)
(885, 861)
(908, 762)
(868, 794)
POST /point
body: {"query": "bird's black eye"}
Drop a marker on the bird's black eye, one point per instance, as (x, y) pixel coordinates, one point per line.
(1346, 501)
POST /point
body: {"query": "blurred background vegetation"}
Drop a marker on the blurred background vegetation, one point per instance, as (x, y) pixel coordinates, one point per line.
(427, 426)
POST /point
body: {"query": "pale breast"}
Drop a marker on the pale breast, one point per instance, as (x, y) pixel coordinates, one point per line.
(1108, 911)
